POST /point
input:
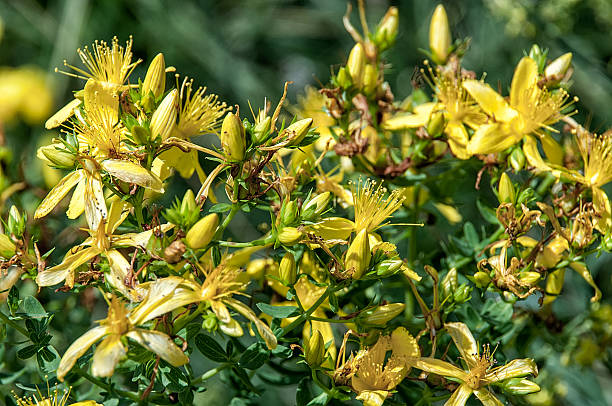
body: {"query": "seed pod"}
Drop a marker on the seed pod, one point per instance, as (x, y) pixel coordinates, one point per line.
(386, 32)
(232, 137)
(358, 255)
(287, 269)
(59, 157)
(439, 35)
(297, 131)
(289, 236)
(163, 120)
(505, 189)
(356, 65)
(155, 79)
(314, 349)
(174, 252)
(202, 232)
(379, 316)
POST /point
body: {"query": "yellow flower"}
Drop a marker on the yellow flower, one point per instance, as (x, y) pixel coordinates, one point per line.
(376, 373)
(371, 209)
(530, 110)
(102, 241)
(123, 323)
(199, 113)
(54, 398)
(479, 373)
(439, 35)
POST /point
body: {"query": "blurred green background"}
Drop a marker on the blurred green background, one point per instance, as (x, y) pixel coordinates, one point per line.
(245, 50)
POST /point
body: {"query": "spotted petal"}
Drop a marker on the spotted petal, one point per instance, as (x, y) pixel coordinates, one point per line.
(78, 348)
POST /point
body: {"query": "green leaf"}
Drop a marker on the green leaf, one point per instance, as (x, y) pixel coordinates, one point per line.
(320, 400)
(13, 299)
(302, 393)
(471, 236)
(279, 312)
(254, 356)
(210, 348)
(27, 352)
(486, 212)
(220, 208)
(33, 308)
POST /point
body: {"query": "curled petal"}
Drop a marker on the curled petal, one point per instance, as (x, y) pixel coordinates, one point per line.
(439, 367)
(487, 398)
(457, 140)
(160, 344)
(77, 201)
(58, 273)
(95, 206)
(373, 397)
(78, 348)
(133, 173)
(459, 396)
(514, 369)
(530, 149)
(63, 114)
(58, 192)
(464, 340)
(232, 328)
(586, 275)
(107, 356)
(117, 213)
(162, 296)
(262, 328)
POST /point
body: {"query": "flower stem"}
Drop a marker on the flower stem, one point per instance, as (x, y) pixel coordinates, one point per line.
(13, 324)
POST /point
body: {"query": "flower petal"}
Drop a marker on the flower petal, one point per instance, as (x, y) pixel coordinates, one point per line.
(514, 369)
(459, 396)
(586, 275)
(133, 173)
(117, 213)
(404, 121)
(54, 275)
(163, 296)
(119, 270)
(457, 139)
(160, 344)
(439, 367)
(523, 89)
(490, 101)
(262, 327)
(373, 397)
(58, 192)
(77, 201)
(78, 348)
(107, 355)
(487, 398)
(464, 341)
(63, 114)
(139, 239)
(95, 205)
(404, 345)
(530, 149)
(491, 138)
(232, 328)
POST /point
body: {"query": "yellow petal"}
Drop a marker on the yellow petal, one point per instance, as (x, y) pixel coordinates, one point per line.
(491, 138)
(490, 101)
(404, 345)
(58, 192)
(524, 84)
(601, 204)
(373, 397)
(78, 348)
(54, 275)
(487, 398)
(63, 114)
(77, 201)
(464, 341)
(101, 98)
(160, 344)
(107, 355)
(117, 213)
(514, 369)
(449, 212)
(95, 205)
(162, 296)
(232, 328)
(459, 396)
(554, 285)
(262, 328)
(552, 149)
(119, 269)
(439, 367)
(133, 173)
(333, 228)
(139, 239)
(586, 275)
(530, 149)
(404, 121)
(457, 140)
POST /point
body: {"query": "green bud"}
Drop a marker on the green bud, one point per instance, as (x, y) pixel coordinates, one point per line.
(449, 283)
(439, 35)
(505, 189)
(358, 255)
(517, 159)
(386, 32)
(289, 212)
(314, 349)
(16, 222)
(343, 78)
(188, 204)
(209, 322)
(381, 315)
(297, 131)
(287, 269)
(388, 267)
(202, 232)
(316, 206)
(370, 79)
(232, 137)
(57, 156)
(519, 386)
(356, 64)
(289, 236)
(261, 130)
(155, 79)
(462, 294)
(163, 120)
(436, 124)
(482, 279)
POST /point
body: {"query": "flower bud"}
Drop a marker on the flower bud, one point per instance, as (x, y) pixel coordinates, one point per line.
(386, 32)
(7, 247)
(256, 269)
(261, 130)
(316, 206)
(287, 270)
(517, 159)
(163, 120)
(436, 124)
(358, 255)
(462, 294)
(388, 267)
(314, 349)
(155, 80)
(16, 222)
(289, 212)
(188, 204)
(356, 64)
(529, 278)
(439, 35)
(379, 316)
(232, 137)
(482, 279)
(289, 236)
(202, 232)
(557, 69)
(370, 79)
(519, 386)
(57, 156)
(343, 78)
(505, 189)
(297, 131)
(449, 283)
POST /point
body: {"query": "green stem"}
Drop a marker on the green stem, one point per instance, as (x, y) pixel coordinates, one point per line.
(209, 374)
(320, 384)
(100, 383)
(13, 324)
(341, 321)
(182, 322)
(264, 241)
(306, 315)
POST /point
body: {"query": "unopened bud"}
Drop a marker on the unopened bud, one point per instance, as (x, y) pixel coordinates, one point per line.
(356, 64)
(287, 269)
(389, 267)
(297, 131)
(314, 349)
(289, 236)
(289, 212)
(343, 78)
(449, 283)
(358, 255)
(439, 35)
(202, 232)
(16, 222)
(261, 130)
(155, 80)
(370, 79)
(232, 137)
(517, 159)
(188, 204)
(482, 279)
(163, 120)
(379, 316)
(558, 68)
(316, 206)
(505, 189)
(462, 294)
(436, 124)
(58, 157)
(519, 386)
(386, 32)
